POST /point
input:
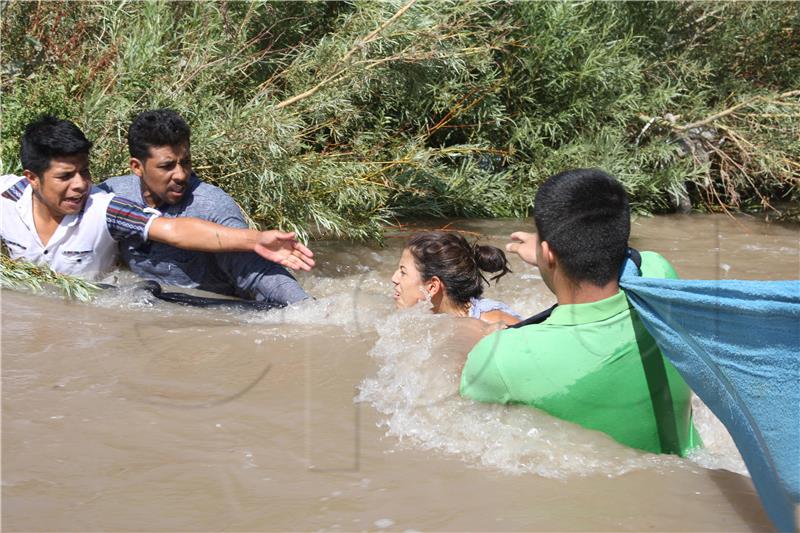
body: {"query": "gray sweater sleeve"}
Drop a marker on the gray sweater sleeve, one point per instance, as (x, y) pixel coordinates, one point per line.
(252, 276)
(255, 278)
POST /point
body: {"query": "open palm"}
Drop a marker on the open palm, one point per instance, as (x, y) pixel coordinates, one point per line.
(284, 249)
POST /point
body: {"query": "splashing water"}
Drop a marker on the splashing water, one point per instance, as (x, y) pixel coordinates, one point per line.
(420, 356)
(416, 388)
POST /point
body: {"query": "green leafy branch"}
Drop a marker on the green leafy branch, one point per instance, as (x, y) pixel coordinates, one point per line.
(16, 274)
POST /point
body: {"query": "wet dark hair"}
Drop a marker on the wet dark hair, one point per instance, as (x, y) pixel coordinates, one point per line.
(584, 216)
(48, 137)
(157, 127)
(449, 257)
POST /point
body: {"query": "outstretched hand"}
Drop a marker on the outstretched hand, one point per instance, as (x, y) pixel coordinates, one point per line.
(284, 249)
(524, 245)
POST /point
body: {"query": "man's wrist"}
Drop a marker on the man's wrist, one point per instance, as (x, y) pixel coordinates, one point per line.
(253, 238)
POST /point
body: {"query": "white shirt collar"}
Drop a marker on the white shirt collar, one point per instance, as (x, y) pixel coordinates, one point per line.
(25, 209)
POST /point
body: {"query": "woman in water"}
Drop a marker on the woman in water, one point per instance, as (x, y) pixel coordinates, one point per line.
(445, 269)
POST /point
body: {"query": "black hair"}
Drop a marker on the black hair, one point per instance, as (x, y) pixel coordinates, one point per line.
(584, 216)
(456, 262)
(157, 127)
(48, 137)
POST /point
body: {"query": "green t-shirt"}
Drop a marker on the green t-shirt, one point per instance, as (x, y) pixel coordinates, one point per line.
(592, 364)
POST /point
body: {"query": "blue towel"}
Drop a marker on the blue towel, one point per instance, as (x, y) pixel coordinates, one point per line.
(737, 345)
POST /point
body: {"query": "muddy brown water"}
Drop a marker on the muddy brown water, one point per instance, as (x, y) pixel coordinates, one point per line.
(338, 415)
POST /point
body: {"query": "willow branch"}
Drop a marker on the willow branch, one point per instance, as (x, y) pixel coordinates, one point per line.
(730, 110)
(347, 56)
(379, 29)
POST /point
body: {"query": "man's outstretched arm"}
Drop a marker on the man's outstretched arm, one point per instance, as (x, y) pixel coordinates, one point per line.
(203, 236)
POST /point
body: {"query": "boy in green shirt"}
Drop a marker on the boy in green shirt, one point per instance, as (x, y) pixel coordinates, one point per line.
(589, 360)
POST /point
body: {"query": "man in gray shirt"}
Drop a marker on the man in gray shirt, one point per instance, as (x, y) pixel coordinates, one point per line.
(159, 144)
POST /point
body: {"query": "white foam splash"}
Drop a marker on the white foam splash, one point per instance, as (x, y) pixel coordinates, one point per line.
(419, 359)
(416, 388)
(719, 450)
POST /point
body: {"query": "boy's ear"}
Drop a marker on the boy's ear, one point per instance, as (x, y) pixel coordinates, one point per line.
(32, 178)
(548, 255)
(137, 167)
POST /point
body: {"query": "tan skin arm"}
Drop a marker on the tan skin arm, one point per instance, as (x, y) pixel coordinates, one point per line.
(499, 316)
(467, 334)
(204, 236)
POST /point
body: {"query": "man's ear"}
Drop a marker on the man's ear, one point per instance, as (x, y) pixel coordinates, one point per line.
(33, 179)
(137, 166)
(547, 255)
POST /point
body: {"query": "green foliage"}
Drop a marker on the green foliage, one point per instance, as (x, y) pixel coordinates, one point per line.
(23, 275)
(333, 118)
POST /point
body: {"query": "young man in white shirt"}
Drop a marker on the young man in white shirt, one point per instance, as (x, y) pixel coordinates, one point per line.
(55, 215)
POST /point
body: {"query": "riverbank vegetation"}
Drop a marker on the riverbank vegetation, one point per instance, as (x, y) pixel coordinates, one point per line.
(41, 278)
(341, 116)
(336, 118)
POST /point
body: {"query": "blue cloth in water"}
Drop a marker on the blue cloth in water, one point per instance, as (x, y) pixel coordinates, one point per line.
(737, 345)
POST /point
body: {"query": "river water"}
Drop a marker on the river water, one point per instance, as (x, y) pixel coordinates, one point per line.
(340, 414)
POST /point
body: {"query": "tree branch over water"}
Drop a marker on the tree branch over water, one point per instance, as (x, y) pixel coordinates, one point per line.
(337, 119)
(359, 46)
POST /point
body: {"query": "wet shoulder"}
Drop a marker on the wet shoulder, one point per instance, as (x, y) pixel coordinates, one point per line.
(503, 362)
(97, 192)
(212, 203)
(518, 343)
(126, 186)
(210, 197)
(655, 265)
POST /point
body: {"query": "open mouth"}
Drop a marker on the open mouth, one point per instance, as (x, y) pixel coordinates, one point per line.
(176, 191)
(75, 201)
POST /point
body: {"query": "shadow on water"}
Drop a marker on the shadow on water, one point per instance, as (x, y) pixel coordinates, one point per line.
(741, 494)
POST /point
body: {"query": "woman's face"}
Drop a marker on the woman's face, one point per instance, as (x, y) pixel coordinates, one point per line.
(408, 286)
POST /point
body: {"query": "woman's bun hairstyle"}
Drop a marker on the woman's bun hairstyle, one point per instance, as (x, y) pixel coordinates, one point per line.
(457, 263)
(491, 259)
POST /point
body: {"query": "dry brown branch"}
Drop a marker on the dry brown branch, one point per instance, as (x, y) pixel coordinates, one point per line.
(730, 110)
(727, 160)
(737, 139)
(404, 229)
